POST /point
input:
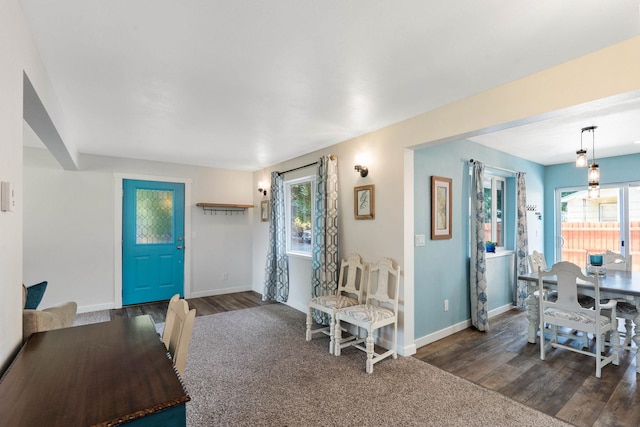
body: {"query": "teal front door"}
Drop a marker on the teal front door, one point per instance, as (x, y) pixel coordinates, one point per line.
(152, 241)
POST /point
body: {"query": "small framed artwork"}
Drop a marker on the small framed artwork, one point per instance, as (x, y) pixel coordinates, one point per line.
(440, 207)
(264, 211)
(364, 206)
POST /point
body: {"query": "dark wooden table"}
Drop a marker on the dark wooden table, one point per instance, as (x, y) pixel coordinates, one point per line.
(101, 374)
(614, 284)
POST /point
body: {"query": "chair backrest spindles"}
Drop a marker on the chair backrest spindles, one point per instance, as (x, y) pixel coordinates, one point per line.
(177, 332)
(537, 261)
(615, 261)
(169, 321)
(386, 280)
(354, 270)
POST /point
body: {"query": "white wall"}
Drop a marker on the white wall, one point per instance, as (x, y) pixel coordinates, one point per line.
(611, 72)
(19, 56)
(12, 43)
(372, 239)
(70, 217)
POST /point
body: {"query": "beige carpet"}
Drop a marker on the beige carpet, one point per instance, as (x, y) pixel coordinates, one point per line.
(253, 367)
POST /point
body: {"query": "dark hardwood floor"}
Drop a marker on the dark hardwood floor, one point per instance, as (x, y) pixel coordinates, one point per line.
(564, 385)
(204, 306)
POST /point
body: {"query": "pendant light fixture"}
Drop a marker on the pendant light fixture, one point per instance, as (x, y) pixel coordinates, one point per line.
(581, 154)
(593, 174)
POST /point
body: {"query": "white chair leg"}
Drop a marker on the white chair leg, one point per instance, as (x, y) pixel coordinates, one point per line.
(395, 340)
(598, 356)
(309, 324)
(338, 338)
(628, 326)
(370, 352)
(542, 351)
(616, 347)
(332, 330)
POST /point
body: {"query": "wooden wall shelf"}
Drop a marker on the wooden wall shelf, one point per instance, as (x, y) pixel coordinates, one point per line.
(223, 207)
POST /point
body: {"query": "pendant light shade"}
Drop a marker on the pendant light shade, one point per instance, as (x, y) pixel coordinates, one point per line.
(581, 154)
(581, 158)
(594, 174)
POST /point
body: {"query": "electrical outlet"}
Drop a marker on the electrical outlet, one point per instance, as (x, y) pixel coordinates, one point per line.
(446, 305)
(225, 276)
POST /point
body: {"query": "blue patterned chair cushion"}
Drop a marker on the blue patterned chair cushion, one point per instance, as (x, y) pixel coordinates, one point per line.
(366, 313)
(622, 307)
(335, 302)
(586, 301)
(575, 316)
(626, 308)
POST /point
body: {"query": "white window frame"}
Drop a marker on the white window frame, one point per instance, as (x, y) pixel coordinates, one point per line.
(287, 207)
(494, 207)
(624, 215)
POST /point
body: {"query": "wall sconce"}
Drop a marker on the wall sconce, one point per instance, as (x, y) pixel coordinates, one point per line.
(262, 188)
(364, 171)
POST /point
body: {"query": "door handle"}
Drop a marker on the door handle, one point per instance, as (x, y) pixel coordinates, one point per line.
(179, 247)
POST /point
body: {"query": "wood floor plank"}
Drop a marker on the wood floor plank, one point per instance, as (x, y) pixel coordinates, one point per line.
(581, 410)
(564, 385)
(623, 408)
(204, 306)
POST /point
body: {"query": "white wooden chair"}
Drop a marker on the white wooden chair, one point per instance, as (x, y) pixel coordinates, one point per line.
(567, 312)
(350, 289)
(624, 309)
(178, 328)
(537, 261)
(380, 309)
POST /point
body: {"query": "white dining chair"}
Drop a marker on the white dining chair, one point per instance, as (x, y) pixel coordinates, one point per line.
(566, 312)
(380, 310)
(178, 328)
(626, 310)
(350, 289)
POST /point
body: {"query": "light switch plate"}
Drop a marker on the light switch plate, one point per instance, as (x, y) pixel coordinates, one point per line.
(7, 199)
(420, 239)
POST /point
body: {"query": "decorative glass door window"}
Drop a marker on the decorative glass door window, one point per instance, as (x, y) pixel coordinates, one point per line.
(154, 216)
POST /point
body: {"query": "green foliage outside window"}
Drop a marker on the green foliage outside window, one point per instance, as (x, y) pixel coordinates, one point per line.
(301, 208)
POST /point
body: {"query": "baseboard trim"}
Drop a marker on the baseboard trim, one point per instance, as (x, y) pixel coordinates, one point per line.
(96, 307)
(442, 333)
(223, 291)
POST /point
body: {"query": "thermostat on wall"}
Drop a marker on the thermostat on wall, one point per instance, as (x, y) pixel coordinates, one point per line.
(8, 201)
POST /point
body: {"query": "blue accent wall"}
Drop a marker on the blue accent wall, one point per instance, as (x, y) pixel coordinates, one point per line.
(612, 170)
(442, 266)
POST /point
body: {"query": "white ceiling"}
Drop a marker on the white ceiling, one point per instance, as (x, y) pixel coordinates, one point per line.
(248, 84)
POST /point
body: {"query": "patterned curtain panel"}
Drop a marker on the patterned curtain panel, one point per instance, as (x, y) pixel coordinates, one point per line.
(478, 268)
(325, 262)
(522, 242)
(276, 280)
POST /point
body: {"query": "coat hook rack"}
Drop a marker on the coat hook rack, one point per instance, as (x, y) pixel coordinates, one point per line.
(228, 209)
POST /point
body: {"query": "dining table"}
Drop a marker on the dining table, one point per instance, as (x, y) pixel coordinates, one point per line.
(613, 284)
(101, 374)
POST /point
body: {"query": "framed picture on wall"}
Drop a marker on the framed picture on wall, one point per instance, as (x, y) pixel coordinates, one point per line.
(264, 211)
(364, 206)
(440, 207)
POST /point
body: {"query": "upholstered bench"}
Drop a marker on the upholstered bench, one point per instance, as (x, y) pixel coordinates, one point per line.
(61, 316)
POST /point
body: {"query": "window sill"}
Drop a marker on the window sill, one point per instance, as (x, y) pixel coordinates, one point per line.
(301, 255)
(498, 253)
